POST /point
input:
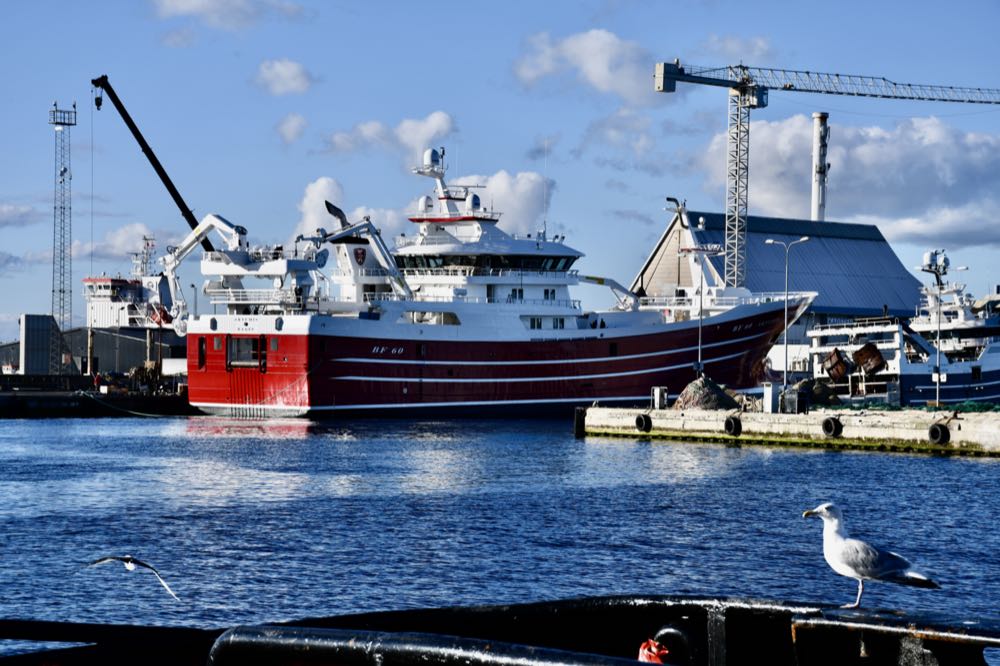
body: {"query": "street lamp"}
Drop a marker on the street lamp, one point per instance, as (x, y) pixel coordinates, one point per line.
(702, 251)
(787, 246)
(194, 290)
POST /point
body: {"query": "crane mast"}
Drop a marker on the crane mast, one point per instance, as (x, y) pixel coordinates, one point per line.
(748, 89)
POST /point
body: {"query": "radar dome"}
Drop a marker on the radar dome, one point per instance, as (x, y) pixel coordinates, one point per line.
(472, 202)
(425, 204)
(432, 158)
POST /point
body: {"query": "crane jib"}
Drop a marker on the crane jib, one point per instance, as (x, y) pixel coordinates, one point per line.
(102, 83)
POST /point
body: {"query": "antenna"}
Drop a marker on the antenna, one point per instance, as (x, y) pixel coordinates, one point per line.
(545, 189)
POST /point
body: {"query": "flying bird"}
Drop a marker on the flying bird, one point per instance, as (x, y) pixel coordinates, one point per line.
(131, 563)
(859, 560)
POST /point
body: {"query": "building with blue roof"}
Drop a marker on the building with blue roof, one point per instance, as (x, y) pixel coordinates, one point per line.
(851, 266)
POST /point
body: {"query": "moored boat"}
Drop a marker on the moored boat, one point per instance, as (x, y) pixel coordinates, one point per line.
(460, 317)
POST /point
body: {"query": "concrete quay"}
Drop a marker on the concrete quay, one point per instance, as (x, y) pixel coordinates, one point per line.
(911, 431)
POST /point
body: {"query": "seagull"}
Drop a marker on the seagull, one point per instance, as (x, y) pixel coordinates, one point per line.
(131, 563)
(861, 561)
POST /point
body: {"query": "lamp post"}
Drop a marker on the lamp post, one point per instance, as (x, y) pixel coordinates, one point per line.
(788, 247)
(194, 291)
(702, 251)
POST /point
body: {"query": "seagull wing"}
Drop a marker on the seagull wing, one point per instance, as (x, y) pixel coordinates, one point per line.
(104, 560)
(156, 573)
(164, 584)
(870, 562)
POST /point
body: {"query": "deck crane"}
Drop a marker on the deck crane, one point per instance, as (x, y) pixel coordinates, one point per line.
(748, 89)
(104, 86)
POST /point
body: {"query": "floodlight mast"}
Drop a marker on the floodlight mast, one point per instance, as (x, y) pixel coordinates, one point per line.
(748, 89)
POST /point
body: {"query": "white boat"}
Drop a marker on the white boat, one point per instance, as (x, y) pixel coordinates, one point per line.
(948, 353)
(460, 317)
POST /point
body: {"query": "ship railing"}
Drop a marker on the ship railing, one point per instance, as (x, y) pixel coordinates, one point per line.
(720, 302)
(472, 271)
(554, 303)
(269, 296)
(871, 324)
(362, 272)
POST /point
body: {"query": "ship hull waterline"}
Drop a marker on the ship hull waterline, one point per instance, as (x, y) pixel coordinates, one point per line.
(329, 374)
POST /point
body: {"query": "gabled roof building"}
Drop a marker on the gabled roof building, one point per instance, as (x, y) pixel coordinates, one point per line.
(851, 266)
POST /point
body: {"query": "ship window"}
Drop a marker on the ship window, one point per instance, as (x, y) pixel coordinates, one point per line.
(216, 343)
(516, 294)
(274, 344)
(433, 318)
(977, 373)
(550, 294)
(559, 323)
(613, 349)
(535, 322)
(202, 348)
(244, 351)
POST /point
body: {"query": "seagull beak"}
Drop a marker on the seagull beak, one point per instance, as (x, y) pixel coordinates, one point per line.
(810, 512)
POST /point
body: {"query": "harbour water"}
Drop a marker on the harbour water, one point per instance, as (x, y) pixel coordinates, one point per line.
(255, 521)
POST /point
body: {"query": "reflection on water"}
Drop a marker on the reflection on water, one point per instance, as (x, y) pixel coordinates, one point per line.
(212, 427)
(263, 521)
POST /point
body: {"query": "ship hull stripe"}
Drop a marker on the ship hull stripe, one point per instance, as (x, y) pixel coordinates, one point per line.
(552, 378)
(597, 359)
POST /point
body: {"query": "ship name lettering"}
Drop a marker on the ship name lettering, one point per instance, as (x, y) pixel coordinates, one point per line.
(384, 349)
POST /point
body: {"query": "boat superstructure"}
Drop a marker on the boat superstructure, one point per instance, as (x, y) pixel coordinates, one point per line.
(141, 300)
(960, 325)
(460, 316)
(948, 353)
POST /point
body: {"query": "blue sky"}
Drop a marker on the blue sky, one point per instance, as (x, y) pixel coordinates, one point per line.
(259, 109)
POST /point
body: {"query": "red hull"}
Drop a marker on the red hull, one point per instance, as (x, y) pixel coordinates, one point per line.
(301, 374)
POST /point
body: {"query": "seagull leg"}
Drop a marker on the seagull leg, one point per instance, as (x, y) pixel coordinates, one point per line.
(857, 602)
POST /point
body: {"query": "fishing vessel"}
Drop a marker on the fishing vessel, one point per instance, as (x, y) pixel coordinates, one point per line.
(949, 352)
(459, 317)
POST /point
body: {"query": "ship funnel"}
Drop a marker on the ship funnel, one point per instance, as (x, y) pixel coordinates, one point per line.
(820, 167)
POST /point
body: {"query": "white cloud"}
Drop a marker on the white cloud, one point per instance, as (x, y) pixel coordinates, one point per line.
(411, 136)
(10, 263)
(14, 215)
(416, 135)
(541, 149)
(225, 14)
(599, 59)
(970, 225)
(735, 49)
(523, 198)
(314, 214)
(922, 181)
(623, 141)
(291, 127)
(283, 77)
(119, 243)
(313, 208)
